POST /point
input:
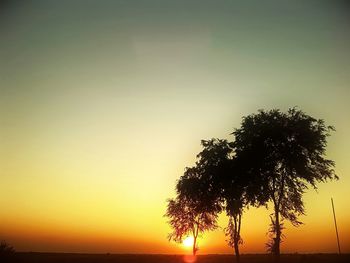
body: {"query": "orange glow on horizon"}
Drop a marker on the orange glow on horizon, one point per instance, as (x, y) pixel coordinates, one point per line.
(46, 237)
(189, 258)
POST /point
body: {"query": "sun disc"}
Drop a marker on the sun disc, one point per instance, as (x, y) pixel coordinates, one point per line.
(188, 242)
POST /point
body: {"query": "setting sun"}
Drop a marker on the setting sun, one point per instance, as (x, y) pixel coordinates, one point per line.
(188, 242)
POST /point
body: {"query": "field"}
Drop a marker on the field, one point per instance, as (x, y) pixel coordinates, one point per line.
(33, 257)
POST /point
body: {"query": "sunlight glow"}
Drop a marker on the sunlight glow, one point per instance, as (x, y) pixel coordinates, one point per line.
(188, 241)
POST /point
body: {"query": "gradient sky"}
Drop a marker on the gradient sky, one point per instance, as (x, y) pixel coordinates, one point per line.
(104, 103)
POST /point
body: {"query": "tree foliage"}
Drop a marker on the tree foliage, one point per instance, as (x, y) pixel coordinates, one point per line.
(195, 209)
(287, 154)
(186, 220)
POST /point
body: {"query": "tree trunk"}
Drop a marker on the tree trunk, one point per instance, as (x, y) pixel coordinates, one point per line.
(194, 248)
(236, 239)
(237, 252)
(277, 241)
(195, 235)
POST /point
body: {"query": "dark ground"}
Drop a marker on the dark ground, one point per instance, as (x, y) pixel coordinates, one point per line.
(33, 257)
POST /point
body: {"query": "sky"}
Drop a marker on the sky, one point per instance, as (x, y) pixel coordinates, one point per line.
(104, 103)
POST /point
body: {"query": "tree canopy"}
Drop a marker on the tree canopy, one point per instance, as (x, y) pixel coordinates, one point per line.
(195, 208)
(286, 153)
(187, 217)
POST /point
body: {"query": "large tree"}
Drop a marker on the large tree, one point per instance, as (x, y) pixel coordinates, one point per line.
(286, 153)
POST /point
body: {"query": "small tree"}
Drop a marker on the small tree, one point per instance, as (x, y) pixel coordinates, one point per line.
(186, 218)
(6, 251)
(194, 210)
(287, 154)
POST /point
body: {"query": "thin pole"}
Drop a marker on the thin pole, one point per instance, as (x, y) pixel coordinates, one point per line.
(335, 224)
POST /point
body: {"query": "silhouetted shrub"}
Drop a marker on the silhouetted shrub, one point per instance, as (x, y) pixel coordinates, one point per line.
(6, 251)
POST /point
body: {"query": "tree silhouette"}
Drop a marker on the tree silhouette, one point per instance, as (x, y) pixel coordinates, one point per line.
(286, 153)
(191, 212)
(6, 251)
(223, 184)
